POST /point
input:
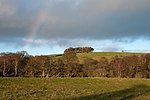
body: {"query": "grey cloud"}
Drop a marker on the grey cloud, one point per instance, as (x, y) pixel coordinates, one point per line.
(6, 9)
(72, 43)
(57, 42)
(112, 48)
(74, 19)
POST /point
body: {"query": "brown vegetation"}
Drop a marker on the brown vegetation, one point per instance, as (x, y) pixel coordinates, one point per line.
(21, 64)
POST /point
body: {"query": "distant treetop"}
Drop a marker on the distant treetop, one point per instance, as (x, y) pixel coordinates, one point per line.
(79, 50)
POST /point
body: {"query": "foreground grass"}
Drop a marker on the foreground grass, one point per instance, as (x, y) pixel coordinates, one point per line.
(74, 89)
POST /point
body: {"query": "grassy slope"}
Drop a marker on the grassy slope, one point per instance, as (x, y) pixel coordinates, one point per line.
(74, 88)
(98, 55)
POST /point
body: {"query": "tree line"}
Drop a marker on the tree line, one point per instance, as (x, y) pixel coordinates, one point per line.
(21, 64)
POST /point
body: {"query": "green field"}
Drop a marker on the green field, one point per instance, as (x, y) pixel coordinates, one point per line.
(98, 55)
(74, 89)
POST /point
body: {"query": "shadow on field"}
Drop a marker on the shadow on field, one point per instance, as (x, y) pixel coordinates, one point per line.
(126, 94)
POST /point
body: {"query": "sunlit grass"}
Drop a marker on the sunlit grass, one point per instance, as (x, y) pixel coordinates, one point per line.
(98, 55)
(74, 88)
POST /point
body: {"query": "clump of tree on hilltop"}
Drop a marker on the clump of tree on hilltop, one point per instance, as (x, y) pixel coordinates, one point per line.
(79, 50)
(21, 64)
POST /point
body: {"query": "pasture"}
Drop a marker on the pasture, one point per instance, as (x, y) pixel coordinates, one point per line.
(98, 55)
(74, 89)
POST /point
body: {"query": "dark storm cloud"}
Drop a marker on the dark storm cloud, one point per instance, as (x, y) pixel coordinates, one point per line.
(74, 19)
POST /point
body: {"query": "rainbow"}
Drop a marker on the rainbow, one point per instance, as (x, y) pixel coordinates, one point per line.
(39, 20)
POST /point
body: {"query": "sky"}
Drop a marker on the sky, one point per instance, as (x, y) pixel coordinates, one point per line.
(43, 27)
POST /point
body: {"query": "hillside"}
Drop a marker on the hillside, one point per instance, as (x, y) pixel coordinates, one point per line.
(92, 64)
(98, 55)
